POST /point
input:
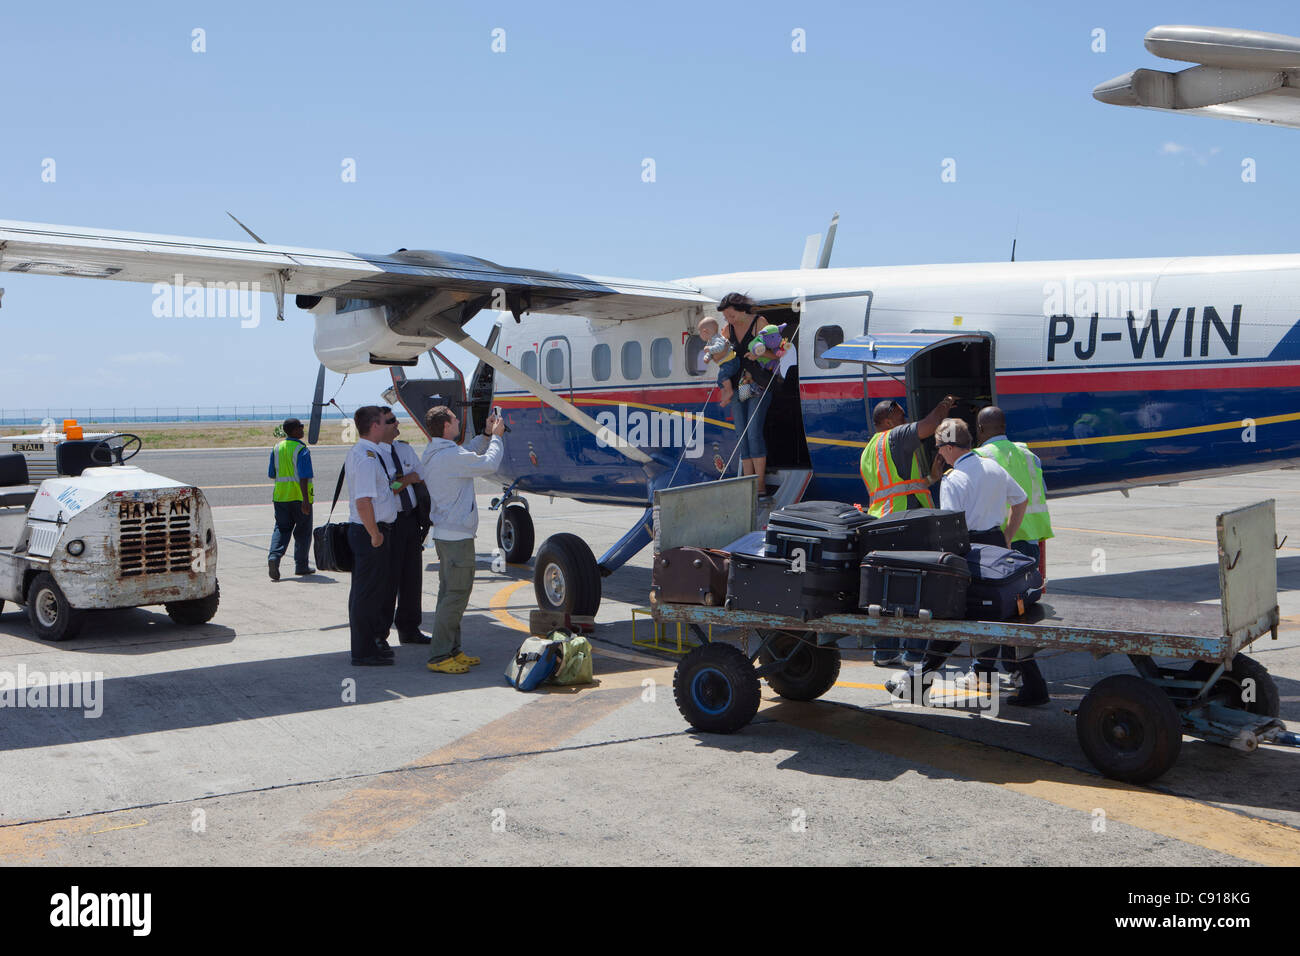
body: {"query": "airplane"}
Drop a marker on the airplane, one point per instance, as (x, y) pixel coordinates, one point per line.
(1118, 373)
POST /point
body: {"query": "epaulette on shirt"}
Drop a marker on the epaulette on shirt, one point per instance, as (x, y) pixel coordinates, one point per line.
(370, 454)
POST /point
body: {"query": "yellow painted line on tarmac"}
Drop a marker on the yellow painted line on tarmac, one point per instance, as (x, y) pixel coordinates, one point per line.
(1180, 818)
(849, 683)
(129, 826)
(498, 602)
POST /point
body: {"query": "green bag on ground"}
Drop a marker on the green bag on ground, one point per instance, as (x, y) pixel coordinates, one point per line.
(575, 659)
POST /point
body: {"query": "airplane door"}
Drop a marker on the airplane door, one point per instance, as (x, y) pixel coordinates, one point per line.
(418, 395)
(555, 371)
(483, 385)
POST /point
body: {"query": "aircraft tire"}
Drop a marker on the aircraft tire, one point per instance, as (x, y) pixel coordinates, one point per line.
(515, 535)
(566, 577)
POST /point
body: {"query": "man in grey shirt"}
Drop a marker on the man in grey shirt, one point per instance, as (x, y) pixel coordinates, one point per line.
(449, 472)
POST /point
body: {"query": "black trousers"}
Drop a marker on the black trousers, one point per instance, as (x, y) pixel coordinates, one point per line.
(408, 575)
(371, 596)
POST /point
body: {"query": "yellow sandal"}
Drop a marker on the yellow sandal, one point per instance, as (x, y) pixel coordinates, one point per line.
(468, 661)
(450, 666)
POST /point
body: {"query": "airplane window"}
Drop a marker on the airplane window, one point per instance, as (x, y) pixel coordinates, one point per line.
(602, 363)
(695, 364)
(828, 336)
(528, 364)
(631, 359)
(661, 358)
(555, 365)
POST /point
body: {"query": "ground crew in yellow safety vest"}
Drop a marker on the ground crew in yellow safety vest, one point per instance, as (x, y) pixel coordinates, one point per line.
(292, 499)
(891, 470)
(891, 465)
(1030, 538)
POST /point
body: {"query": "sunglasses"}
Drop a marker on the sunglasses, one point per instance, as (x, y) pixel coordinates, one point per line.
(390, 421)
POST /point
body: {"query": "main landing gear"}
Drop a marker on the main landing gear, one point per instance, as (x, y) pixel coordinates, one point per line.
(566, 576)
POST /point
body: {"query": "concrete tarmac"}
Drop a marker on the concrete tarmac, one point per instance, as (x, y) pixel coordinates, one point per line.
(251, 740)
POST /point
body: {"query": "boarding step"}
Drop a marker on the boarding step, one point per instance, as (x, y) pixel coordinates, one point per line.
(791, 483)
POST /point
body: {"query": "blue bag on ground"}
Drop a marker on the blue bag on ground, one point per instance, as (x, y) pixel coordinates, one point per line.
(534, 662)
(1003, 583)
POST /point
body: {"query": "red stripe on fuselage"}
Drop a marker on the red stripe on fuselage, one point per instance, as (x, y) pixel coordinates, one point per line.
(1133, 379)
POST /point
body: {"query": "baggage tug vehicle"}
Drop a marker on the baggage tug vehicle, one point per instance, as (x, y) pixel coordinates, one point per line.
(103, 534)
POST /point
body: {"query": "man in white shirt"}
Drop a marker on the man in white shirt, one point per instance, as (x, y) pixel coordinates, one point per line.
(408, 533)
(449, 472)
(978, 486)
(373, 509)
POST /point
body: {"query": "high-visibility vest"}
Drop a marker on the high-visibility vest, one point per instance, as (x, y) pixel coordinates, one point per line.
(889, 490)
(1025, 467)
(286, 473)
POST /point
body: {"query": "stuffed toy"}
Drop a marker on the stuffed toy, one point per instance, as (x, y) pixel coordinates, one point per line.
(769, 345)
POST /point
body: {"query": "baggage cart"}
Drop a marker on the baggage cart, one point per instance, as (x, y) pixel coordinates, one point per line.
(1191, 675)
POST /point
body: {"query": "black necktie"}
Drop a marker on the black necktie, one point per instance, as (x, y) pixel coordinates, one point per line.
(407, 503)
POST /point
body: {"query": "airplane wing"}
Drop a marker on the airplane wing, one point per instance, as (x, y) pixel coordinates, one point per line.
(1240, 75)
(38, 248)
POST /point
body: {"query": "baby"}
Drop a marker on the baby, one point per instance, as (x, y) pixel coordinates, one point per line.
(717, 349)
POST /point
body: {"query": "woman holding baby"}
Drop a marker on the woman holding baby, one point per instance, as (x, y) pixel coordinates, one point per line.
(748, 388)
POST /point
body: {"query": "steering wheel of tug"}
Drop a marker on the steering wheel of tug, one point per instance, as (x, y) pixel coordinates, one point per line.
(103, 453)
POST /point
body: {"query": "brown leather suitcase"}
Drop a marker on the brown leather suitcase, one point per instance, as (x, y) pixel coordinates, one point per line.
(690, 576)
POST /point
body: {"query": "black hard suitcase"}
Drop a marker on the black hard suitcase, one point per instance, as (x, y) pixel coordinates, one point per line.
(909, 582)
(920, 529)
(689, 576)
(1003, 582)
(770, 585)
(828, 533)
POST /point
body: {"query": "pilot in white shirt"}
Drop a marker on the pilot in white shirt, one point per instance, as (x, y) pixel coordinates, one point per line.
(978, 486)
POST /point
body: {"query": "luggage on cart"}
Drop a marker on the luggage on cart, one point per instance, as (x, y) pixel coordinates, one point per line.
(689, 576)
(752, 543)
(919, 529)
(772, 586)
(1003, 583)
(907, 583)
(827, 532)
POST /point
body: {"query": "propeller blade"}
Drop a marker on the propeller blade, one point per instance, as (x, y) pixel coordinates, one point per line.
(317, 406)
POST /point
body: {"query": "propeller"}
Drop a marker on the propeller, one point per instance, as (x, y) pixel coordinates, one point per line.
(317, 406)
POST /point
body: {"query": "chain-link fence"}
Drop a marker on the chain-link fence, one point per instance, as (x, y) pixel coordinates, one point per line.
(18, 417)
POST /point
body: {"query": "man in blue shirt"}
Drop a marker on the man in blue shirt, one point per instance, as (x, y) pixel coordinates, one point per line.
(292, 499)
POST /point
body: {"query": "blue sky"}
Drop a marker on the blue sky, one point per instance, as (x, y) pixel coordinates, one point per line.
(533, 157)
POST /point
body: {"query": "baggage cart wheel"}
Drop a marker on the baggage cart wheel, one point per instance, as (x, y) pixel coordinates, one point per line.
(810, 672)
(1129, 728)
(1233, 690)
(515, 534)
(52, 617)
(716, 688)
(197, 611)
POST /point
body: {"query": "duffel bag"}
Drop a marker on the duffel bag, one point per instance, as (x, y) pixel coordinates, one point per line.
(330, 541)
(534, 662)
